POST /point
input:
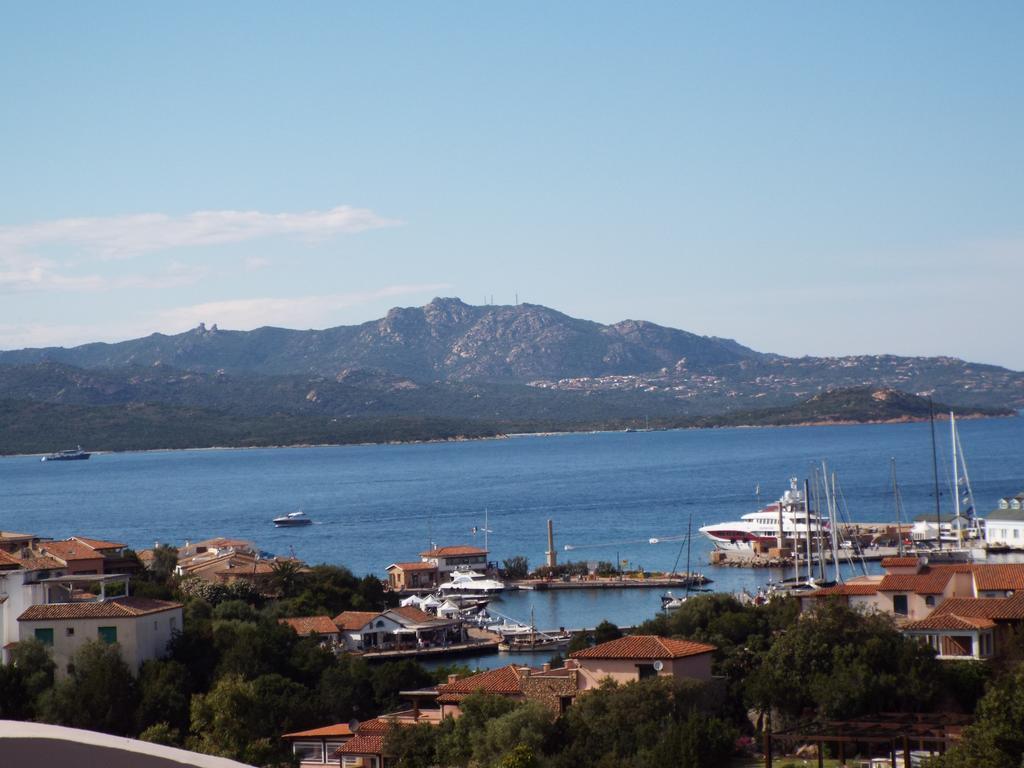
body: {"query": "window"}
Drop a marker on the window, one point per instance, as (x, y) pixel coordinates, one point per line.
(930, 601)
(308, 751)
(107, 634)
(70, 631)
(44, 635)
(646, 670)
(173, 623)
(899, 605)
(1016, 533)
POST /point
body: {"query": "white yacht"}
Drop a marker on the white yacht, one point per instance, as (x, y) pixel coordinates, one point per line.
(471, 582)
(762, 527)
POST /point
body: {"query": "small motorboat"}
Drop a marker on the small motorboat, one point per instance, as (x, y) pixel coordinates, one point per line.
(292, 520)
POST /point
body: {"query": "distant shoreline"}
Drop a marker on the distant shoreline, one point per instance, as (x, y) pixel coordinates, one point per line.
(549, 433)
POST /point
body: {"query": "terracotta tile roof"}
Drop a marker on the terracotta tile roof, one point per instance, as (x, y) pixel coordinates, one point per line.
(6, 559)
(119, 608)
(503, 681)
(900, 562)
(99, 543)
(844, 589)
(219, 541)
(996, 608)
(376, 725)
(327, 731)
(950, 621)
(455, 551)
(644, 647)
(999, 577)
(419, 566)
(414, 615)
(70, 550)
(307, 625)
(355, 619)
(928, 581)
(40, 563)
(12, 536)
(362, 744)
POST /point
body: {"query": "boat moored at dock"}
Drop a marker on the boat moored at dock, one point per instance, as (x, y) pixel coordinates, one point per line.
(786, 519)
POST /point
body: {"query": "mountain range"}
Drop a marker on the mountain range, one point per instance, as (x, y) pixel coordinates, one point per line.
(487, 368)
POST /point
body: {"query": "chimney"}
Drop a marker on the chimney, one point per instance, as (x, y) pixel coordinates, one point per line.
(524, 672)
(453, 679)
(545, 667)
(552, 557)
(572, 664)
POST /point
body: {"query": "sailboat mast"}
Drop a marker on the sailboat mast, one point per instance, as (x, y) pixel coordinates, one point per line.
(956, 484)
(689, 526)
(807, 519)
(971, 508)
(830, 497)
(935, 473)
(820, 533)
(896, 501)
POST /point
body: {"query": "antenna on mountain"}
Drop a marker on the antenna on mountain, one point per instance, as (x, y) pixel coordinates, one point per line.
(517, 298)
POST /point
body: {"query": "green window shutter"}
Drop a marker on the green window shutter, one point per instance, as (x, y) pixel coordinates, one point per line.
(107, 634)
(45, 636)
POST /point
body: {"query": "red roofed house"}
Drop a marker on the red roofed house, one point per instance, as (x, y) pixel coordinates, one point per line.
(397, 628)
(970, 627)
(317, 746)
(409, 576)
(635, 657)
(460, 557)
(366, 748)
(321, 626)
(141, 627)
(912, 588)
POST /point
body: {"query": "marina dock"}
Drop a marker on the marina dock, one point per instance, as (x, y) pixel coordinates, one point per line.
(602, 583)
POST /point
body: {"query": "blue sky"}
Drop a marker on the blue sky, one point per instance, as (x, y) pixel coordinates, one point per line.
(808, 178)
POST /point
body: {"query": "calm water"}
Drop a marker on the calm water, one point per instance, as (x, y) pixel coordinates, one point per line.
(608, 494)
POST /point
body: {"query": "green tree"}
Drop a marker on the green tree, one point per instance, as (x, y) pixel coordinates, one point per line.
(842, 663)
(229, 722)
(27, 678)
(516, 568)
(165, 690)
(526, 725)
(162, 733)
(996, 739)
(99, 693)
(412, 746)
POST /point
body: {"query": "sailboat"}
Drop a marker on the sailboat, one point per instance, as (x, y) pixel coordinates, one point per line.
(671, 602)
(963, 523)
(533, 639)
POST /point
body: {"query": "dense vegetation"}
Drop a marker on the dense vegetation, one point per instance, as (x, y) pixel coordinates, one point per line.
(245, 418)
(235, 679)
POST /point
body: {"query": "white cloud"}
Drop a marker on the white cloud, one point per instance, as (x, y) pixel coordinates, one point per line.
(130, 235)
(27, 251)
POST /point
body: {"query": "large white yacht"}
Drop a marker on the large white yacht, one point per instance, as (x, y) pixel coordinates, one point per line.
(762, 527)
(470, 582)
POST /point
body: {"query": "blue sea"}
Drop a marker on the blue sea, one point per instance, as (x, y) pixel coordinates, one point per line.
(607, 493)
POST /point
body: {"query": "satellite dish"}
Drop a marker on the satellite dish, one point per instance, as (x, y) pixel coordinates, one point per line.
(658, 665)
(353, 725)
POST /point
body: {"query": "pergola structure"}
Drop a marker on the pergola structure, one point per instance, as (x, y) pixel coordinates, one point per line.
(887, 733)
